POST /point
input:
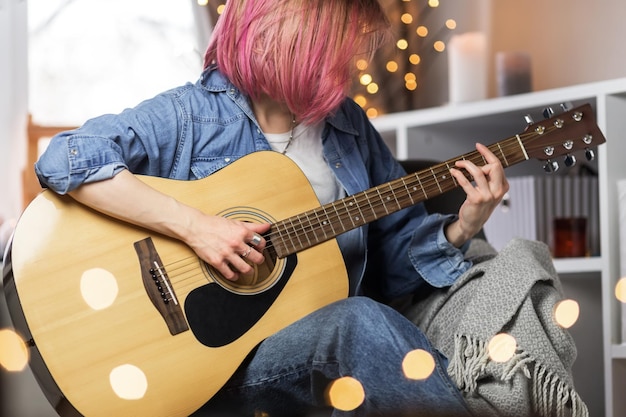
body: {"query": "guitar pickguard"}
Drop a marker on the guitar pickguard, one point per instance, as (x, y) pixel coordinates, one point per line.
(218, 316)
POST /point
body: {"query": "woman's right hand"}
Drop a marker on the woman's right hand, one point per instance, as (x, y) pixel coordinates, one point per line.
(226, 244)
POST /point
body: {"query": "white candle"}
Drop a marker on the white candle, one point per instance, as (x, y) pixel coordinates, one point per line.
(467, 67)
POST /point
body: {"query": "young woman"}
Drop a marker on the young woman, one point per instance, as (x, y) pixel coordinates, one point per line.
(276, 77)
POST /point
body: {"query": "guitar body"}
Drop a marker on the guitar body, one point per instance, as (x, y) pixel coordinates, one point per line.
(77, 278)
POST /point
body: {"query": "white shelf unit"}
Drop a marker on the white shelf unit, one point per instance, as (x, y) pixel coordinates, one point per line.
(444, 132)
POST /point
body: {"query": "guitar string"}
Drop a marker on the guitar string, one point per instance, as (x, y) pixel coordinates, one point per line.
(430, 183)
(403, 197)
(296, 228)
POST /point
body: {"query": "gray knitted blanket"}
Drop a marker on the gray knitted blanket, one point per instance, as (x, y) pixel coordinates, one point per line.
(514, 292)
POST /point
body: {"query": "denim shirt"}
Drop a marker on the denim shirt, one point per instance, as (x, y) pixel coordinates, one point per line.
(194, 130)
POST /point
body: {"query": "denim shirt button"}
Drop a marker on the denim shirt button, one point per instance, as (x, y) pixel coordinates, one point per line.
(74, 152)
(227, 159)
(338, 165)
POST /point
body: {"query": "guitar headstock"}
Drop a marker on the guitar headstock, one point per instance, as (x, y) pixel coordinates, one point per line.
(563, 134)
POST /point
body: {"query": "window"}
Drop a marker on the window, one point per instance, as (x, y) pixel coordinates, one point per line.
(92, 57)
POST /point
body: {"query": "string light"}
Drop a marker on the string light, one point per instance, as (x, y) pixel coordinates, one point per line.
(372, 112)
(372, 88)
(392, 66)
(439, 46)
(402, 44)
(417, 42)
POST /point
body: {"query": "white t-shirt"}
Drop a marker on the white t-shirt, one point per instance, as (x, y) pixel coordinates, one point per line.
(307, 152)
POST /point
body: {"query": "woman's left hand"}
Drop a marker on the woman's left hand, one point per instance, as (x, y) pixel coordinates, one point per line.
(483, 195)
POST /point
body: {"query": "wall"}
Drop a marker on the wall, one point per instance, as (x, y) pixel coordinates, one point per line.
(13, 103)
(570, 41)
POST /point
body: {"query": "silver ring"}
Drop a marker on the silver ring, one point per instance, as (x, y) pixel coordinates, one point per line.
(247, 252)
(256, 239)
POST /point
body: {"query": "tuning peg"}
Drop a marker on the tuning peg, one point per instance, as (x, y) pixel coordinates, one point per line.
(529, 119)
(569, 160)
(590, 155)
(548, 112)
(551, 167)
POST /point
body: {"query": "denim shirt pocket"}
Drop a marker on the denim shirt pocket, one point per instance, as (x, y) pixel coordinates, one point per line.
(203, 166)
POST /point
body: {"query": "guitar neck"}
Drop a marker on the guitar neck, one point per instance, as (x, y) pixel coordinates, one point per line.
(330, 220)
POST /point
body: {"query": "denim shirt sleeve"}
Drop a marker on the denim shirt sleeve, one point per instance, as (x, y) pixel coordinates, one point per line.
(142, 139)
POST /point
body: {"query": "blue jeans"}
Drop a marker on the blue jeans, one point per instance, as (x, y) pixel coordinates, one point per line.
(288, 373)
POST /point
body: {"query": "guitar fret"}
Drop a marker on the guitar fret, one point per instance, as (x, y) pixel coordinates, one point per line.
(304, 230)
(436, 180)
(451, 176)
(421, 185)
(359, 219)
(348, 212)
(408, 192)
(338, 214)
(395, 197)
(297, 236)
(382, 199)
(503, 156)
(283, 241)
(327, 222)
(370, 205)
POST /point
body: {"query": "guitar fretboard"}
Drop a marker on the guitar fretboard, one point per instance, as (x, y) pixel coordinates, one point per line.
(330, 220)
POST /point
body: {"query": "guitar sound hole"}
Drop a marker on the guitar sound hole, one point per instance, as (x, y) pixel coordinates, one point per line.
(262, 277)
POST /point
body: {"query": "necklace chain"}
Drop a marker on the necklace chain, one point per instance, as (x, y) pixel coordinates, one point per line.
(293, 125)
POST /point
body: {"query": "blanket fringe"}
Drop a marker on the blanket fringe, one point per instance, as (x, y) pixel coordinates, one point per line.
(551, 396)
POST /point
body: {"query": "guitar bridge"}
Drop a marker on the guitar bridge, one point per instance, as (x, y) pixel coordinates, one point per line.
(159, 288)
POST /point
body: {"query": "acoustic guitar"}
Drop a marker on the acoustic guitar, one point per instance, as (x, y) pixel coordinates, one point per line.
(124, 322)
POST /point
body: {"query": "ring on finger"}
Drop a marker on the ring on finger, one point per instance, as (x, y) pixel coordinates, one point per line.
(256, 239)
(247, 252)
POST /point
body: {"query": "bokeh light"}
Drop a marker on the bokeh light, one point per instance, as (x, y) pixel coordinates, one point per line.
(418, 364)
(620, 290)
(502, 347)
(372, 112)
(360, 100)
(345, 394)
(14, 354)
(566, 313)
(128, 382)
(439, 46)
(362, 64)
(372, 88)
(392, 66)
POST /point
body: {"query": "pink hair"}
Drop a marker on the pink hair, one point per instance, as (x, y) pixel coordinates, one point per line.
(297, 52)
